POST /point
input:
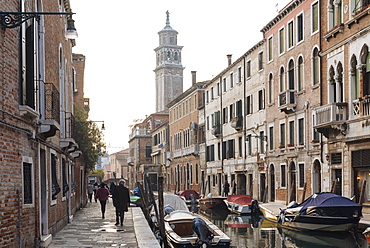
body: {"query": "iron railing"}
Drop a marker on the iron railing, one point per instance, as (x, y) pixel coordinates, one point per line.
(52, 103)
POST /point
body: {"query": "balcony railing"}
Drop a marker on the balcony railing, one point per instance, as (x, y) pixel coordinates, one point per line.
(287, 100)
(52, 107)
(140, 132)
(216, 131)
(331, 116)
(361, 107)
(361, 5)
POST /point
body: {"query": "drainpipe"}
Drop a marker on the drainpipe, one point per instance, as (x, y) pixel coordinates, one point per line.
(19, 222)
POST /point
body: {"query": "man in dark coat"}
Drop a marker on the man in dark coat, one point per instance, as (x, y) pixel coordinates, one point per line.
(121, 201)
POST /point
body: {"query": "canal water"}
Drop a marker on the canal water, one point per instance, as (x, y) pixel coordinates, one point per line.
(257, 232)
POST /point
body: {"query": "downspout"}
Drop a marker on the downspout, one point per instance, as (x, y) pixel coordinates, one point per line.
(19, 222)
(221, 127)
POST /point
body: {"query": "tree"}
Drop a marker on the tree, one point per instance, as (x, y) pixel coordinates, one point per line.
(98, 172)
(88, 137)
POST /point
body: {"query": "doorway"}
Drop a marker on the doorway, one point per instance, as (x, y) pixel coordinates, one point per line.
(272, 182)
(316, 177)
(292, 193)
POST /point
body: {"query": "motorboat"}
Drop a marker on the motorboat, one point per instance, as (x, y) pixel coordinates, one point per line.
(170, 201)
(211, 202)
(187, 230)
(242, 204)
(271, 211)
(190, 196)
(322, 212)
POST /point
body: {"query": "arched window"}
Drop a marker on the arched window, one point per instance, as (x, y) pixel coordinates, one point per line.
(291, 74)
(365, 61)
(176, 56)
(332, 85)
(271, 88)
(300, 74)
(315, 66)
(282, 79)
(339, 81)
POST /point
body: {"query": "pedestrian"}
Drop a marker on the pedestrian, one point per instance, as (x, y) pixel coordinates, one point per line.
(102, 195)
(90, 191)
(95, 188)
(111, 187)
(226, 188)
(121, 201)
(234, 188)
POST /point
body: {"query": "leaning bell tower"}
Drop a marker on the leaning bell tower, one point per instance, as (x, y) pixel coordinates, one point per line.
(169, 70)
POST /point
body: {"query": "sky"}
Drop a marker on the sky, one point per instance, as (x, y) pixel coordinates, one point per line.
(118, 38)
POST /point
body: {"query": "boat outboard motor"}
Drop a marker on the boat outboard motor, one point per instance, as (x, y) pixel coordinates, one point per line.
(254, 207)
(205, 236)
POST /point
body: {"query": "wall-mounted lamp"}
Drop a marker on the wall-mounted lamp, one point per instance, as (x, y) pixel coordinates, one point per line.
(327, 156)
(102, 126)
(15, 19)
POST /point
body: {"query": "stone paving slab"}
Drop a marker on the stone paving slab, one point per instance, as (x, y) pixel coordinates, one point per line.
(89, 230)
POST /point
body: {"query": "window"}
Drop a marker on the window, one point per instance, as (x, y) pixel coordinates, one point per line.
(301, 175)
(290, 34)
(271, 138)
(300, 28)
(212, 96)
(261, 100)
(291, 74)
(232, 111)
(230, 148)
(271, 88)
(248, 69)
(301, 131)
(207, 97)
(27, 91)
(64, 178)
(55, 189)
(315, 17)
(231, 80)
(262, 141)
(249, 139)
(239, 75)
(291, 133)
(27, 183)
(282, 135)
(334, 13)
(207, 122)
(224, 115)
(300, 73)
(260, 61)
(239, 108)
(249, 105)
(282, 79)
(224, 84)
(224, 150)
(315, 66)
(270, 49)
(240, 142)
(281, 41)
(315, 134)
(283, 176)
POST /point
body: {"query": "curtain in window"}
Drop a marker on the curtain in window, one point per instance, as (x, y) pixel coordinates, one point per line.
(55, 189)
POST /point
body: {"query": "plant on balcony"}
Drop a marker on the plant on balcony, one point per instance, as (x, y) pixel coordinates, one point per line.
(290, 145)
(282, 146)
(301, 143)
(315, 141)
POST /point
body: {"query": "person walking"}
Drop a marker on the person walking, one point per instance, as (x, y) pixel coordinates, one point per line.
(90, 191)
(121, 201)
(226, 188)
(102, 195)
(95, 188)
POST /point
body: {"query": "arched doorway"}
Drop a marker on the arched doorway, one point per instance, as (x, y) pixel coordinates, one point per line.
(292, 193)
(316, 177)
(272, 182)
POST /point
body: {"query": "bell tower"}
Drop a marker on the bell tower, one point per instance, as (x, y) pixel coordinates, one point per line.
(169, 70)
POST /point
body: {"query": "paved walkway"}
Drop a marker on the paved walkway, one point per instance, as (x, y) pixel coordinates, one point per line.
(89, 230)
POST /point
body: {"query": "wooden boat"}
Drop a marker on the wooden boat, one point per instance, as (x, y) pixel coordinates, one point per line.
(187, 230)
(322, 212)
(190, 196)
(242, 204)
(271, 211)
(212, 203)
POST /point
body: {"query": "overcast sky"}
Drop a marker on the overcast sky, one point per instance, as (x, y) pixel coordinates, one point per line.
(118, 38)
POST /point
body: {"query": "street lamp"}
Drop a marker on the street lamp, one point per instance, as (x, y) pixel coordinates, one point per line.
(15, 19)
(102, 126)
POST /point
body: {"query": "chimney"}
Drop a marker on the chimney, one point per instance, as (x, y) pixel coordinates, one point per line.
(229, 59)
(194, 77)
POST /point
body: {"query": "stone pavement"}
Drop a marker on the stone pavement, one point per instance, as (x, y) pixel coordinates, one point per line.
(89, 230)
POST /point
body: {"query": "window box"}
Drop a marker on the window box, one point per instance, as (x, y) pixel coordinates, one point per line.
(315, 141)
(301, 143)
(281, 146)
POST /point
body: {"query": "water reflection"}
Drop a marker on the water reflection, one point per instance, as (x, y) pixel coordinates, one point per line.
(255, 231)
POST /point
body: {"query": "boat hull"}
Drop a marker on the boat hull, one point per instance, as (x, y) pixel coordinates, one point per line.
(212, 203)
(320, 223)
(271, 211)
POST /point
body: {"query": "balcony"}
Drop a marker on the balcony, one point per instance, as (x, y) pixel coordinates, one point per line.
(331, 117)
(69, 141)
(140, 133)
(237, 123)
(50, 124)
(361, 107)
(216, 130)
(287, 101)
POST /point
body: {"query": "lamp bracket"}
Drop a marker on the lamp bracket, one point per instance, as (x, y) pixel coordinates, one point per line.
(15, 19)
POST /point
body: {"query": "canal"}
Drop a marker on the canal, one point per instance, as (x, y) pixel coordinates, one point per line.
(255, 231)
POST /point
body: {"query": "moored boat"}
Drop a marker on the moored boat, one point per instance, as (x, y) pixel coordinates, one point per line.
(271, 211)
(242, 204)
(322, 212)
(212, 202)
(187, 230)
(190, 196)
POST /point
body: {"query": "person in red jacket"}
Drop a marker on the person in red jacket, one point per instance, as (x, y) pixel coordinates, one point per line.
(102, 195)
